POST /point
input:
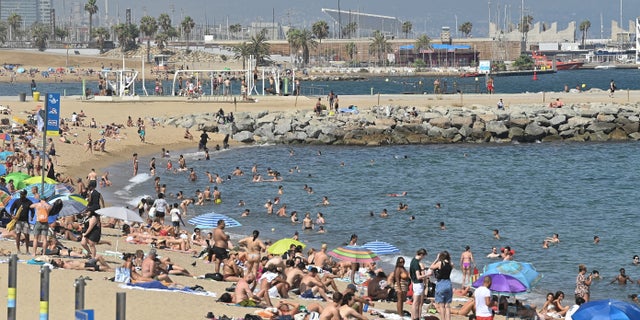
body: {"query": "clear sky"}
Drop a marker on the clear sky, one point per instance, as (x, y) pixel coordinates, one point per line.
(426, 15)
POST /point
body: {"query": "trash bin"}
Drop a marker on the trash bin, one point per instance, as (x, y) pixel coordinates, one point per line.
(23, 97)
(36, 96)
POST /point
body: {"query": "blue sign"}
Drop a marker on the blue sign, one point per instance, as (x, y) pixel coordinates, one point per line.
(53, 114)
(84, 315)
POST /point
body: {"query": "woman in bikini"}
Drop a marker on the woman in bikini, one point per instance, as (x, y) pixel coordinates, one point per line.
(254, 247)
(401, 283)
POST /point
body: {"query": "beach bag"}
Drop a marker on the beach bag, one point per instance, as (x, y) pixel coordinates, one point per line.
(214, 276)
(42, 215)
(123, 275)
(55, 209)
(152, 212)
(225, 297)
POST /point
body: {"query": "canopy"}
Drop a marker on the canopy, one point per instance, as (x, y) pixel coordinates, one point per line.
(354, 254)
(210, 220)
(381, 247)
(281, 246)
(607, 309)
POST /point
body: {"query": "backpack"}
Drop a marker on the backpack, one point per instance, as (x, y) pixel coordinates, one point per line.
(42, 215)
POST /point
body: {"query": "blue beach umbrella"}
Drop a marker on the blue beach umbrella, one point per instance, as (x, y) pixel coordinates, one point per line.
(607, 309)
(45, 192)
(381, 247)
(3, 169)
(52, 219)
(524, 272)
(210, 220)
(5, 154)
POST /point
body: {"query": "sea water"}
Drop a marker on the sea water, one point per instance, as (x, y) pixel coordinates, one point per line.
(599, 79)
(527, 191)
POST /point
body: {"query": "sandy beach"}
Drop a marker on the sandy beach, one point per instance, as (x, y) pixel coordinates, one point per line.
(75, 162)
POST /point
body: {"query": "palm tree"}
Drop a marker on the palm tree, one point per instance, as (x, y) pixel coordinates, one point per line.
(14, 20)
(465, 28)
(187, 25)
(60, 33)
(243, 51)
(320, 30)
(148, 27)
(301, 39)
(91, 7)
(126, 33)
(525, 26)
(349, 29)
(379, 45)
(40, 35)
(167, 31)
(352, 50)
(3, 32)
(234, 29)
(260, 48)
(423, 43)
(407, 26)
(584, 28)
(101, 34)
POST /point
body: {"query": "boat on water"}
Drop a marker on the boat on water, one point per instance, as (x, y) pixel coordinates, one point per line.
(605, 67)
(469, 75)
(544, 63)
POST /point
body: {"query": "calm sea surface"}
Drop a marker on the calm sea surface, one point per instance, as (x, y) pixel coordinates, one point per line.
(625, 79)
(527, 191)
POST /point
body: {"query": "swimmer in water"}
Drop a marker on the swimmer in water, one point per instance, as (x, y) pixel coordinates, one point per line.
(404, 193)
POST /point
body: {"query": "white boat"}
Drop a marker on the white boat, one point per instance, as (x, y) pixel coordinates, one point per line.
(605, 67)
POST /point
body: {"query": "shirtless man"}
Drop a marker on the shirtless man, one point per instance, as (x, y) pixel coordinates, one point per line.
(466, 260)
(135, 164)
(243, 294)
(237, 172)
(622, 278)
(217, 198)
(311, 285)
(150, 266)
(97, 264)
(220, 245)
(307, 223)
(321, 258)
(271, 283)
(282, 212)
(254, 247)
(331, 311)
(92, 178)
(294, 274)
(346, 309)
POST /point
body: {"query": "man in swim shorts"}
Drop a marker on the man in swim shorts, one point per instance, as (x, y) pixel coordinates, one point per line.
(220, 245)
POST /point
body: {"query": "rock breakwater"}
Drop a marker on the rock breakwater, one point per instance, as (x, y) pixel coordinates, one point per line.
(383, 125)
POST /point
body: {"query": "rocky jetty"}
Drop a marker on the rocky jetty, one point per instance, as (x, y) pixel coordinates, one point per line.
(382, 125)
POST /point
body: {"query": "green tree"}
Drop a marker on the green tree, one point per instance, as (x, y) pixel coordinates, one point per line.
(148, 27)
(466, 28)
(525, 25)
(60, 33)
(14, 20)
(126, 34)
(524, 62)
(234, 29)
(423, 43)
(379, 46)
(320, 30)
(101, 34)
(352, 50)
(349, 30)
(92, 8)
(584, 28)
(167, 31)
(3, 31)
(407, 26)
(40, 35)
(243, 51)
(301, 39)
(187, 25)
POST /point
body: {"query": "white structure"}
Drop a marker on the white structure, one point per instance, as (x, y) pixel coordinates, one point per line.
(638, 40)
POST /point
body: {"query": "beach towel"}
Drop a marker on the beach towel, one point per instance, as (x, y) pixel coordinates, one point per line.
(123, 275)
(159, 286)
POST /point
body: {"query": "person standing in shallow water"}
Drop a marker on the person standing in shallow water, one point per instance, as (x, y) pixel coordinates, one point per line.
(583, 283)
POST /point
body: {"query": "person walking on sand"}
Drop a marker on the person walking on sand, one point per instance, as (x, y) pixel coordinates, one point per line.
(612, 88)
(417, 279)
(466, 260)
(22, 212)
(41, 229)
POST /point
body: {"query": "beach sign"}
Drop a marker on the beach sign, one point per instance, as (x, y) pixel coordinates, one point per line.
(84, 315)
(52, 106)
(484, 67)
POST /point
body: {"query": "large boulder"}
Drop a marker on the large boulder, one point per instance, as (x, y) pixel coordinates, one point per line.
(441, 122)
(605, 127)
(534, 132)
(461, 121)
(244, 136)
(497, 128)
(282, 126)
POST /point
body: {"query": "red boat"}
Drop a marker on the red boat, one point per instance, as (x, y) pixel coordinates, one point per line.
(545, 63)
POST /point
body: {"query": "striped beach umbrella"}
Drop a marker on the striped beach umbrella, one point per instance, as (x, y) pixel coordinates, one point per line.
(355, 254)
(38, 180)
(381, 247)
(71, 204)
(210, 220)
